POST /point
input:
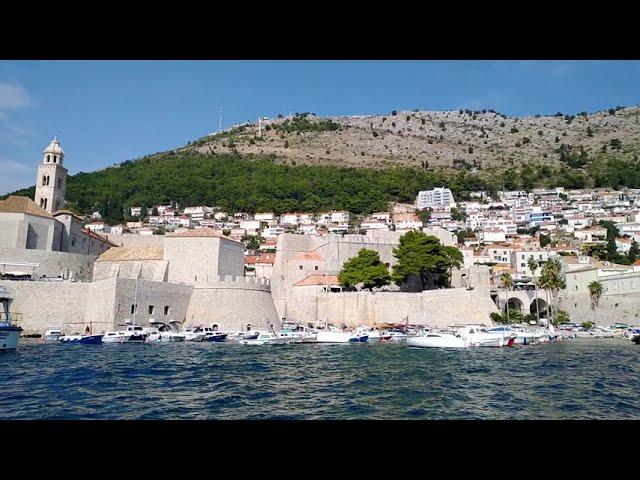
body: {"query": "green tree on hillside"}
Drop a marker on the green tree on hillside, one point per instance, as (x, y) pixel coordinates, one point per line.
(423, 255)
(365, 268)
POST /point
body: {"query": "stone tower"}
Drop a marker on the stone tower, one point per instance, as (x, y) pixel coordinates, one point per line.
(51, 183)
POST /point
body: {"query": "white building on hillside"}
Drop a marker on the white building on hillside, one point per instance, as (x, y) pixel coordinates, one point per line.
(436, 197)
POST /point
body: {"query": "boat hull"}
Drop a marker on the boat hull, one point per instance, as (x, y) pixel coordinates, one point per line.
(336, 337)
(437, 341)
(9, 338)
(84, 339)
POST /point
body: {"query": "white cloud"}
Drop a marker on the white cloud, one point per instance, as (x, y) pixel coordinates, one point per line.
(13, 97)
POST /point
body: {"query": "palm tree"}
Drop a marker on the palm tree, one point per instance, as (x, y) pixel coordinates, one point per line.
(552, 280)
(507, 283)
(595, 291)
(533, 266)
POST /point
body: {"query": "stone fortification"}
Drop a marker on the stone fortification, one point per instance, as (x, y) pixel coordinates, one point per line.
(51, 264)
(233, 303)
(435, 308)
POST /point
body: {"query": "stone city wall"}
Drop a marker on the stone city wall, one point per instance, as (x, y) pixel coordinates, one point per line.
(48, 304)
(612, 308)
(52, 264)
(232, 303)
(436, 308)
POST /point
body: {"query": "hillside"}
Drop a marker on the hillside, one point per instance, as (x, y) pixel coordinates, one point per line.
(359, 164)
(473, 140)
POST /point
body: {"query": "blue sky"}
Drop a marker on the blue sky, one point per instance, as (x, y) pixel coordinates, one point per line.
(107, 112)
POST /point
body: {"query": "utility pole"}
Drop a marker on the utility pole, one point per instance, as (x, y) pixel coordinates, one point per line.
(220, 121)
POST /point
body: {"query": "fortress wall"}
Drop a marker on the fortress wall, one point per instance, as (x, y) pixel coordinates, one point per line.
(232, 305)
(436, 308)
(612, 308)
(135, 240)
(145, 293)
(45, 304)
(154, 270)
(52, 264)
(230, 257)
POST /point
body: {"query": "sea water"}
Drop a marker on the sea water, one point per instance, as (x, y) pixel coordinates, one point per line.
(576, 379)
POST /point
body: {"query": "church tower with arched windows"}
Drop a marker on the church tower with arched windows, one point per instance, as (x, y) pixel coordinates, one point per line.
(51, 183)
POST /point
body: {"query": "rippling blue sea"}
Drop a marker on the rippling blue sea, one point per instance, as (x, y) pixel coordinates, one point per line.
(579, 379)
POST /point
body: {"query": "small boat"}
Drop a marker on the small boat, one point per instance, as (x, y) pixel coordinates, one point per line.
(338, 336)
(9, 332)
(132, 334)
(52, 334)
(84, 339)
(163, 337)
(464, 337)
(437, 340)
(264, 338)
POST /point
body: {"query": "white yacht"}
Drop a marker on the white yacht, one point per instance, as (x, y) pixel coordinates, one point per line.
(264, 338)
(131, 334)
(9, 332)
(52, 334)
(338, 336)
(437, 340)
(464, 337)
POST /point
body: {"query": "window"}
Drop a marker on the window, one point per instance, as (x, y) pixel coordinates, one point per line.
(166, 310)
(151, 309)
(48, 158)
(523, 265)
(55, 158)
(300, 267)
(316, 267)
(133, 309)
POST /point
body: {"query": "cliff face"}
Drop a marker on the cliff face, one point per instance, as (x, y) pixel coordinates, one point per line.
(460, 139)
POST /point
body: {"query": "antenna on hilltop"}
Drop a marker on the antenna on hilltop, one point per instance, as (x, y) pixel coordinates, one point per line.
(220, 121)
(259, 126)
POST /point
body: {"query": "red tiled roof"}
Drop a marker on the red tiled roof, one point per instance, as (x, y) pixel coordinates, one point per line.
(267, 258)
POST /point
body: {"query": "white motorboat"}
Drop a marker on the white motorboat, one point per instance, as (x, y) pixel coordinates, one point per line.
(191, 335)
(397, 336)
(264, 338)
(131, 334)
(338, 336)
(464, 337)
(52, 334)
(437, 340)
(163, 337)
(116, 337)
(9, 332)
(374, 335)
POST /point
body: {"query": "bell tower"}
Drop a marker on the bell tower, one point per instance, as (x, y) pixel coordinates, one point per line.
(51, 183)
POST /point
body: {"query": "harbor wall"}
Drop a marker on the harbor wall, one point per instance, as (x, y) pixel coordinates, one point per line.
(623, 308)
(232, 303)
(52, 264)
(436, 308)
(45, 304)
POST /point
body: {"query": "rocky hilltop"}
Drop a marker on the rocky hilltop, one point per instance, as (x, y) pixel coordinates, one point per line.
(462, 139)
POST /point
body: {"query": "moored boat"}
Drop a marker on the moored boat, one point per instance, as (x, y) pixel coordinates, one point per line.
(52, 334)
(84, 339)
(264, 338)
(9, 332)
